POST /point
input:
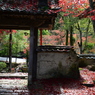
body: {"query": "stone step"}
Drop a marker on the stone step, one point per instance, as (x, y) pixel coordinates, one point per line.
(13, 75)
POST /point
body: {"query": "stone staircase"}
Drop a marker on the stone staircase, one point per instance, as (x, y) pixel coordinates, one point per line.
(14, 75)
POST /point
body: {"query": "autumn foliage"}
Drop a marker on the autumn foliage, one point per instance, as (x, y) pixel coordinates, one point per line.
(7, 31)
(74, 7)
(68, 7)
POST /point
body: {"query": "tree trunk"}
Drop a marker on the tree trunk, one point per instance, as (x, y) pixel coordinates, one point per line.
(71, 36)
(67, 32)
(86, 35)
(92, 7)
(80, 43)
(91, 4)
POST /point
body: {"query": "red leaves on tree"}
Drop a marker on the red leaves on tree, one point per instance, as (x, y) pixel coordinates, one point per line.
(7, 31)
(1, 31)
(73, 6)
(93, 17)
(32, 5)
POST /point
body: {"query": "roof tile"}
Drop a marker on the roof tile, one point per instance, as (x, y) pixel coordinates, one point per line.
(28, 6)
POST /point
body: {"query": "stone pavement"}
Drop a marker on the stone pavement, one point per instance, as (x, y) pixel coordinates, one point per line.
(14, 85)
(13, 75)
(18, 86)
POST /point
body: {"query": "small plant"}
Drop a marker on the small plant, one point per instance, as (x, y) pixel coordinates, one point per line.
(24, 68)
(24, 65)
(80, 68)
(2, 65)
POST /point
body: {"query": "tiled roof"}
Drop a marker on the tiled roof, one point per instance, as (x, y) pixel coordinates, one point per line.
(87, 56)
(55, 48)
(17, 6)
(23, 6)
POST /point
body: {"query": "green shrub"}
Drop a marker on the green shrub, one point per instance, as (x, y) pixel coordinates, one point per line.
(24, 65)
(2, 65)
(89, 46)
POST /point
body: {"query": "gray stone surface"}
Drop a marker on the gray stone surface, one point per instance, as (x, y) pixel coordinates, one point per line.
(57, 64)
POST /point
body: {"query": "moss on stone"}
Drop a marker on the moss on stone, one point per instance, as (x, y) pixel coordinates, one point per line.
(73, 71)
(56, 72)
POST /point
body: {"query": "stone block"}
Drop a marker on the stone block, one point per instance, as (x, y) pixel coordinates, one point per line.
(57, 64)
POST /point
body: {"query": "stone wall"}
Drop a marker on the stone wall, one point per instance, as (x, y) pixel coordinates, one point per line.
(89, 59)
(57, 64)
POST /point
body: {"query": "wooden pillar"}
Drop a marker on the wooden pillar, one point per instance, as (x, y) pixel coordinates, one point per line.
(32, 68)
(10, 50)
(40, 36)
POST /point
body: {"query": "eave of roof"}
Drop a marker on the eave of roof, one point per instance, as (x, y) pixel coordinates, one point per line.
(24, 15)
(25, 8)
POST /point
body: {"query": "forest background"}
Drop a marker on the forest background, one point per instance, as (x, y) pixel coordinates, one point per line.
(69, 29)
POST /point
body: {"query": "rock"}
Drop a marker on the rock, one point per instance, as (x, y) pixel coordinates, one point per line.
(3, 71)
(91, 67)
(88, 85)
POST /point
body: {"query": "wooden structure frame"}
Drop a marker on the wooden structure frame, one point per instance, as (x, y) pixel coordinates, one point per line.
(27, 20)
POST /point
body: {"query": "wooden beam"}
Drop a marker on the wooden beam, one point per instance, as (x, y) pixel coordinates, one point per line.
(32, 69)
(20, 22)
(17, 27)
(17, 23)
(8, 21)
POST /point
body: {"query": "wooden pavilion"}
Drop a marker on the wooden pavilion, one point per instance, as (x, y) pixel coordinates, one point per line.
(28, 15)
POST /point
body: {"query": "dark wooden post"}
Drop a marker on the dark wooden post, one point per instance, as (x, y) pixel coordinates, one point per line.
(40, 36)
(32, 69)
(10, 50)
